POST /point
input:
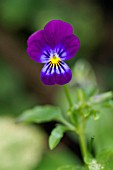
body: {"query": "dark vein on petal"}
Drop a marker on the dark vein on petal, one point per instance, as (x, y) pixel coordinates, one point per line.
(47, 67)
(61, 66)
(61, 52)
(46, 55)
(61, 62)
(50, 69)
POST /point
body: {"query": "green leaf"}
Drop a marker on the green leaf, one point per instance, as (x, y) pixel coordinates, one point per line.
(101, 97)
(69, 167)
(41, 114)
(56, 135)
(108, 104)
(105, 158)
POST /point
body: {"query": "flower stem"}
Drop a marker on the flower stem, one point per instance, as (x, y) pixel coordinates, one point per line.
(83, 145)
(80, 127)
(82, 140)
(68, 95)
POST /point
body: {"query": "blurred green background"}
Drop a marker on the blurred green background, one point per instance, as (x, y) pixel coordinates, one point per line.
(25, 147)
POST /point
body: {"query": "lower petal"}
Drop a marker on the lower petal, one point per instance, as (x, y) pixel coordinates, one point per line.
(63, 74)
(47, 75)
(51, 75)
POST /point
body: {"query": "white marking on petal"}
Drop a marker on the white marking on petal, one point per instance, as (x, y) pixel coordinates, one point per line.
(45, 52)
(52, 71)
(44, 69)
(57, 70)
(62, 70)
(44, 58)
(64, 54)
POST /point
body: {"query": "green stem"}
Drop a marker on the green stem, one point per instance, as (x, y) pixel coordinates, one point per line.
(68, 95)
(82, 143)
(70, 104)
(81, 128)
(69, 125)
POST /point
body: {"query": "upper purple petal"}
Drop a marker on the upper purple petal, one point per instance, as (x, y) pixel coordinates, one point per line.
(55, 31)
(37, 49)
(57, 37)
(38, 35)
(68, 47)
(56, 74)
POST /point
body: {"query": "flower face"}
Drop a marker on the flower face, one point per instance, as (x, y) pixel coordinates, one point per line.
(52, 45)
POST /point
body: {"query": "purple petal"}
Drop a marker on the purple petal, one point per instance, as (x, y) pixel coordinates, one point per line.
(55, 30)
(37, 49)
(68, 47)
(55, 74)
(38, 35)
(48, 75)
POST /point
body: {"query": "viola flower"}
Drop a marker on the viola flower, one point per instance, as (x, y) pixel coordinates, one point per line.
(52, 45)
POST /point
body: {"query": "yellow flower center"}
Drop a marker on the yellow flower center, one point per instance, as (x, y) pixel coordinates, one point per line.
(54, 60)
